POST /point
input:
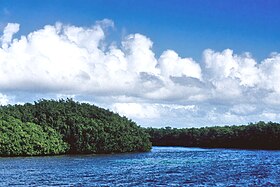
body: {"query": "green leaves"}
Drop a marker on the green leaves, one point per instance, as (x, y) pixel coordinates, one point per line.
(253, 136)
(22, 139)
(85, 128)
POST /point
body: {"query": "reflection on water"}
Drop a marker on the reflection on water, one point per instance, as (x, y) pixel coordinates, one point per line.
(172, 166)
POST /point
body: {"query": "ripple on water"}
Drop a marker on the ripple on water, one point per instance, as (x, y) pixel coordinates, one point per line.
(163, 166)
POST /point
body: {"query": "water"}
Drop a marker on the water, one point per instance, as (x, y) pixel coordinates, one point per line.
(163, 166)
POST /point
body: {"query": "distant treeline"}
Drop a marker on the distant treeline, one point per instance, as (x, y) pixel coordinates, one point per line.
(50, 127)
(260, 135)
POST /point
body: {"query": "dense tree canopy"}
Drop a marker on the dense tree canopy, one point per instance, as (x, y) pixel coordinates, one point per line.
(84, 128)
(253, 136)
(18, 138)
(56, 127)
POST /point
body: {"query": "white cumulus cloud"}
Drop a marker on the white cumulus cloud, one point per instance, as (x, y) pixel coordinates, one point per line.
(172, 65)
(136, 110)
(67, 60)
(8, 33)
(4, 99)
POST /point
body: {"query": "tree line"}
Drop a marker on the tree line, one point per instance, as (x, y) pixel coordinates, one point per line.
(259, 135)
(66, 126)
(50, 127)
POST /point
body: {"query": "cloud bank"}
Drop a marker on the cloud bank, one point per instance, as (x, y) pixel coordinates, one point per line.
(224, 88)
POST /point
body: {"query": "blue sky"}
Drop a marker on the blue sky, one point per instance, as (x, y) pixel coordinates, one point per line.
(168, 62)
(188, 27)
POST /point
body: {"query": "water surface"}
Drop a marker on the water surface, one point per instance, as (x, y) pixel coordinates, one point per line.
(163, 166)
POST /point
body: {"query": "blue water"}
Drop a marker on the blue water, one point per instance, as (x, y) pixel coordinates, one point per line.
(163, 166)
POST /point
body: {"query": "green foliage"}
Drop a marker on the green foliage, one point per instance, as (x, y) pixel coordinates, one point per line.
(253, 136)
(18, 138)
(65, 126)
(86, 128)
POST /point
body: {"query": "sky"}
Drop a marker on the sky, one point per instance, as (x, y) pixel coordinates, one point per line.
(161, 63)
